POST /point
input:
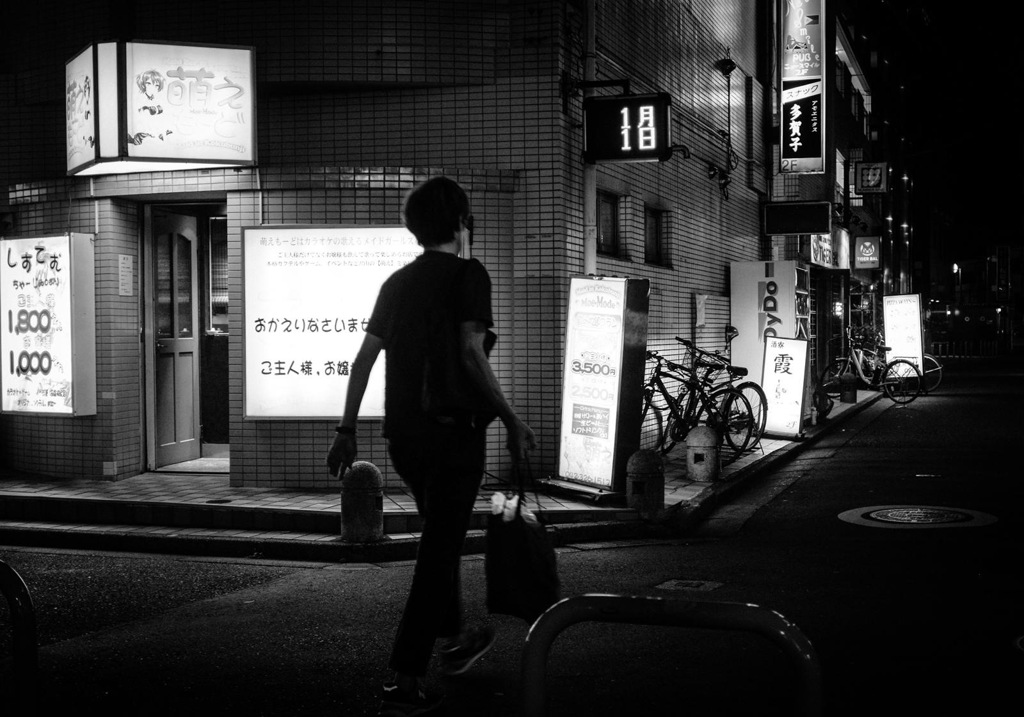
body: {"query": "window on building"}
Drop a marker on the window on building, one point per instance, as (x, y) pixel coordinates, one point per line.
(607, 224)
(654, 236)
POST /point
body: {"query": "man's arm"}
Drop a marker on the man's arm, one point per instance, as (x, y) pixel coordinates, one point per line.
(343, 449)
(471, 342)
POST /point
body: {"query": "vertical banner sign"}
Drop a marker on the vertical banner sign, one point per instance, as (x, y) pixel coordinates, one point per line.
(769, 300)
(802, 99)
(48, 341)
(80, 110)
(785, 376)
(902, 317)
(309, 292)
(606, 336)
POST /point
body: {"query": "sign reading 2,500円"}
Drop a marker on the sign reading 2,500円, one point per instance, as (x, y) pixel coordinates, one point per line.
(627, 128)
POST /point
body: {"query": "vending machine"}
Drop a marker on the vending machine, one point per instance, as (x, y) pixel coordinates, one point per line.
(769, 299)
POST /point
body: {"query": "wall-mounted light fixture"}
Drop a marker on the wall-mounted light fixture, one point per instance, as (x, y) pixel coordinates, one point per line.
(726, 65)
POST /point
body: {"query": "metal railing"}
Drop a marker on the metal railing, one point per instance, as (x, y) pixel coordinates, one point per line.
(658, 611)
(20, 699)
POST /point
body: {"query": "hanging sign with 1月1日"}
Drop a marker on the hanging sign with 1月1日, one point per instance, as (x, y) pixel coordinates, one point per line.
(627, 128)
(784, 380)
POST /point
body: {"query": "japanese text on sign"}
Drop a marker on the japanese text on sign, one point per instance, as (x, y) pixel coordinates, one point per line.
(309, 293)
(37, 326)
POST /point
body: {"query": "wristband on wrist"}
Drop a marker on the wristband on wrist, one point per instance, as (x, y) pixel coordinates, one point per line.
(345, 430)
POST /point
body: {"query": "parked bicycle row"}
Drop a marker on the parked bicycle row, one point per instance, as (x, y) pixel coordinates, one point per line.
(705, 389)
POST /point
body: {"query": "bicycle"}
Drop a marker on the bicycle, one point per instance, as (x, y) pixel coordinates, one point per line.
(932, 373)
(931, 368)
(728, 375)
(697, 403)
(900, 380)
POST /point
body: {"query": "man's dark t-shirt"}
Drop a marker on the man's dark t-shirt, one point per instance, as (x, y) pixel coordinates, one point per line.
(401, 319)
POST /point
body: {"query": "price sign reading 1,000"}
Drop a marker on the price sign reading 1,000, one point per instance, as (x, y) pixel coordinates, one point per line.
(29, 322)
(31, 363)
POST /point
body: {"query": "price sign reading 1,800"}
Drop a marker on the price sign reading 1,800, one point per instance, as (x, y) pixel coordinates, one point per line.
(29, 322)
(30, 363)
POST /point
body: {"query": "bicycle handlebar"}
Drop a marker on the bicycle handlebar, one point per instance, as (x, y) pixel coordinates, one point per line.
(708, 359)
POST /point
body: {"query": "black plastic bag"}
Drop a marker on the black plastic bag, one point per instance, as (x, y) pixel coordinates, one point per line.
(520, 565)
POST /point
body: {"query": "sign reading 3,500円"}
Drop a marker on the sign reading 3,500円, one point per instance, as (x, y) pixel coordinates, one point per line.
(627, 128)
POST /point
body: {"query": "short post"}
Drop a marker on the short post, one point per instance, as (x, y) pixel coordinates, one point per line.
(362, 504)
(848, 388)
(703, 456)
(645, 482)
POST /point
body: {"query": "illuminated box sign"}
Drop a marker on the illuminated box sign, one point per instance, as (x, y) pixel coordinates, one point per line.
(308, 295)
(867, 253)
(870, 177)
(606, 336)
(901, 314)
(48, 340)
(144, 107)
(784, 380)
(627, 128)
(802, 99)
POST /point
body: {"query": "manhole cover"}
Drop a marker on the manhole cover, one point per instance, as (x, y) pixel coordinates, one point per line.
(916, 516)
(919, 515)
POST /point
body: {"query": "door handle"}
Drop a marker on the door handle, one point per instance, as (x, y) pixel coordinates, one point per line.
(160, 345)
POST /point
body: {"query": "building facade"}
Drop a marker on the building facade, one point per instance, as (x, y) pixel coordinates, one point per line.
(355, 103)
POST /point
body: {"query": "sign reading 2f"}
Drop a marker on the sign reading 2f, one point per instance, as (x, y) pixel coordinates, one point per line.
(627, 128)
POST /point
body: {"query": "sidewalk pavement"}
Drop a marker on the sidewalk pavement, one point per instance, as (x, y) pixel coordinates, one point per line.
(201, 514)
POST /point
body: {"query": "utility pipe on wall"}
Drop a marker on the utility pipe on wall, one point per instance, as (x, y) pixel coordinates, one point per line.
(590, 170)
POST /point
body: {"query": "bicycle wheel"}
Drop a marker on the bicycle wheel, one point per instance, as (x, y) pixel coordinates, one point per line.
(901, 381)
(758, 408)
(651, 424)
(677, 425)
(932, 373)
(829, 382)
(731, 416)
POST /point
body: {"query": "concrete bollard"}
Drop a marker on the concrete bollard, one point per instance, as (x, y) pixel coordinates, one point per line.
(362, 504)
(848, 388)
(703, 454)
(645, 482)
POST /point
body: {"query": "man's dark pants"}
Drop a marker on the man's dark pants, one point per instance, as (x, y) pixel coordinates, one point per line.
(443, 468)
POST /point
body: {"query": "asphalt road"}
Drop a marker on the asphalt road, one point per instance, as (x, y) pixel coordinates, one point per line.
(905, 617)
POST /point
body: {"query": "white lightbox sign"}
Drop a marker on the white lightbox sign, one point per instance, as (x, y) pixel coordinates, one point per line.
(784, 381)
(48, 341)
(146, 107)
(590, 380)
(902, 316)
(189, 102)
(309, 292)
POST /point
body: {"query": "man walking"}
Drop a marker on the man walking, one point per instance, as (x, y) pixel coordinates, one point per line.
(439, 457)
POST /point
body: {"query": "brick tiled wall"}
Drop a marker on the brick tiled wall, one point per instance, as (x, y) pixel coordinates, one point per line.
(356, 101)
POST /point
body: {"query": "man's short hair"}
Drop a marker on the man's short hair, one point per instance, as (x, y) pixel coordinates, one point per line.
(435, 210)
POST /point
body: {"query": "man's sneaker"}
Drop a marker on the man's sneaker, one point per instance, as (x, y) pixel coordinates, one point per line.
(396, 703)
(473, 644)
